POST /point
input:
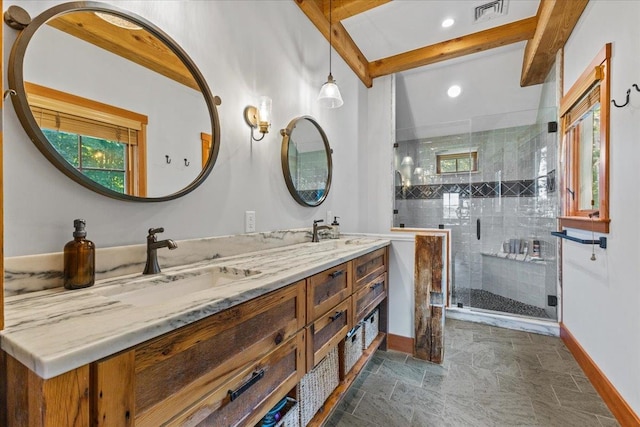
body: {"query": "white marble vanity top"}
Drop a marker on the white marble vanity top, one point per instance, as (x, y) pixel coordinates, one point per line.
(56, 330)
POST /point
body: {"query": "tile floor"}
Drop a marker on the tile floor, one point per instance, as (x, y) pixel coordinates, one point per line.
(491, 377)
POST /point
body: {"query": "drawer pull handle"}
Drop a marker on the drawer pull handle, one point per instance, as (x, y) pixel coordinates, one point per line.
(376, 285)
(257, 376)
(336, 274)
(361, 270)
(336, 316)
(279, 338)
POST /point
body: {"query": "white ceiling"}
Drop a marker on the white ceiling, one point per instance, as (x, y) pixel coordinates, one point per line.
(403, 25)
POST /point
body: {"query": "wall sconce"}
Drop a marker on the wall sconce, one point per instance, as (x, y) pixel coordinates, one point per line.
(259, 117)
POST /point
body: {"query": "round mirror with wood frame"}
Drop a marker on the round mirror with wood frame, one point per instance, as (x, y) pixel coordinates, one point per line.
(105, 130)
(306, 161)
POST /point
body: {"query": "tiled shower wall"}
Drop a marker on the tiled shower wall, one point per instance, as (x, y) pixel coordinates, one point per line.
(513, 195)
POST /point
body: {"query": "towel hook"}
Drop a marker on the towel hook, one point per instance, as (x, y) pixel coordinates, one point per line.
(186, 163)
(166, 156)
(613, 101)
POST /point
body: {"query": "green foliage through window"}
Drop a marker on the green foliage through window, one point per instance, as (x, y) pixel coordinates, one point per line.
(101, 160)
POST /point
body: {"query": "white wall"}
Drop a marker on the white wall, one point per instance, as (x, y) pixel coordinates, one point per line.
(490, 83)
(601, 298)
(244, 50)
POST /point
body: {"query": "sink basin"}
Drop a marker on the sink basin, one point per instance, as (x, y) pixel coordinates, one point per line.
(158, 289)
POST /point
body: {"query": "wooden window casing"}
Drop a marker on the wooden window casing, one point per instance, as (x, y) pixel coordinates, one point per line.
(65, 112)
(472, 156)
(591, 88)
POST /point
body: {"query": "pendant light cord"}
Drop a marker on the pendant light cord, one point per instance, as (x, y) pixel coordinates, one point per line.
(330, 31)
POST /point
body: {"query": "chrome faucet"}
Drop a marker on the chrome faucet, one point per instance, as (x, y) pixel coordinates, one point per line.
(153, 245)
(316, 227)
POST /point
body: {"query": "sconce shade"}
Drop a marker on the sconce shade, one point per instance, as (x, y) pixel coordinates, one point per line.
(329, 96)
(259, 117)
(264, 114)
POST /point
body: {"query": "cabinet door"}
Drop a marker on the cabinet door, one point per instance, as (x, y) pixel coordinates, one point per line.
(369, 296)
(326, 332)
(176, 370)
(368, 267)
(326, 289)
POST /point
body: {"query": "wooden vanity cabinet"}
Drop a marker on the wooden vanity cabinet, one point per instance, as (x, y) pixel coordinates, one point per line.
(230, 368)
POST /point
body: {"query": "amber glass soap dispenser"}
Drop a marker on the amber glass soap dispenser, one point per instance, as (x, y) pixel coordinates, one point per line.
(79, 259)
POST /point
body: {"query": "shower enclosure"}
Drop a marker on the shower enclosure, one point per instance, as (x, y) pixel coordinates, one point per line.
(492, 182)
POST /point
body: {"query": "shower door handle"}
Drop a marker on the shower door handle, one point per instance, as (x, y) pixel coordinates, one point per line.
(478, 228)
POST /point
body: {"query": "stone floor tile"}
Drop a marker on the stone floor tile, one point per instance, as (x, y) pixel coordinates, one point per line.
(375, 384)
(383, 411)
(490, 377)
(350, 400)
(401, 371)
(419, 397)
(343, 419)
(584, 402)
(553, 362)
(553, 415)
(584, 384)
(608, 422)
(392, 355)
(506, 408)
(542, 392)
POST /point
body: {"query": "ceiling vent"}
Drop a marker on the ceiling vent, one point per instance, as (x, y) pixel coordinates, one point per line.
(490, 10)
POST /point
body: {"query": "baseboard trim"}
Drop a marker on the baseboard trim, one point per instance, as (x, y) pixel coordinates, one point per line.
(400, 343)
(616, 403)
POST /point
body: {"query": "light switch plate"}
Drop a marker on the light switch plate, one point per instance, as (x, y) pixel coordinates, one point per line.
(249, 221)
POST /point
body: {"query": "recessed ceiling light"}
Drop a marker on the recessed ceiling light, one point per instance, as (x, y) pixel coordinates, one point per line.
(454, 91)
(447, 22)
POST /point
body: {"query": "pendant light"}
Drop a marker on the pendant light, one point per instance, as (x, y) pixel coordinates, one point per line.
(329, 96)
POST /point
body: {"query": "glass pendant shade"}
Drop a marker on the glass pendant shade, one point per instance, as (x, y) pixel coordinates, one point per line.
(329, 96)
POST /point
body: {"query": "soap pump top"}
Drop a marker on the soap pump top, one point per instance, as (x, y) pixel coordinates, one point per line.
(79, 259)
(335, 228)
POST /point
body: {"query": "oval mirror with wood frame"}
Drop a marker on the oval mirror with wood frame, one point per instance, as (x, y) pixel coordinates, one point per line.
(114, 103)
(306, 161)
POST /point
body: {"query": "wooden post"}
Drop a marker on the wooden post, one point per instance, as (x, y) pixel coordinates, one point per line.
(429, 299)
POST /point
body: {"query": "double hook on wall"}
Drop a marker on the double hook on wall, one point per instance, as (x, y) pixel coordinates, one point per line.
(168, 160)
(613, 101)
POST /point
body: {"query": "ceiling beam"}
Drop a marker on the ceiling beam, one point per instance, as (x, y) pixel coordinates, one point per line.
(477, 42)
(343, 9)
(556, 20)
(341, 40)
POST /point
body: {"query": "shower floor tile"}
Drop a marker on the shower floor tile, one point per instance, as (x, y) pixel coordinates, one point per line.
(485, 300)
(492, 382)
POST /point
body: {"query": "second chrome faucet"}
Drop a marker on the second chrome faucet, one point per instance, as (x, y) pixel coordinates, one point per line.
(152, 266)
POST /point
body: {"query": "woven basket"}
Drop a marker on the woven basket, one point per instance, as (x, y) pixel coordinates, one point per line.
(291, 416)
(352, 348)
(370, 326)
(316, 386)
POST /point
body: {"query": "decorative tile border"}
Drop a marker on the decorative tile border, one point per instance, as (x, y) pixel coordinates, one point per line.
(486, 189)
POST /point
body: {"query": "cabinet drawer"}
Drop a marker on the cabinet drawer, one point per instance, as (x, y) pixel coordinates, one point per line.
(368, 267)
(369, 296)
(176, 370)
(326, 289)
(327, 331)
(252, 392)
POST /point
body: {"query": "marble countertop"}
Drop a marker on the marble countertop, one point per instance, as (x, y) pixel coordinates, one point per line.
(54, 331)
